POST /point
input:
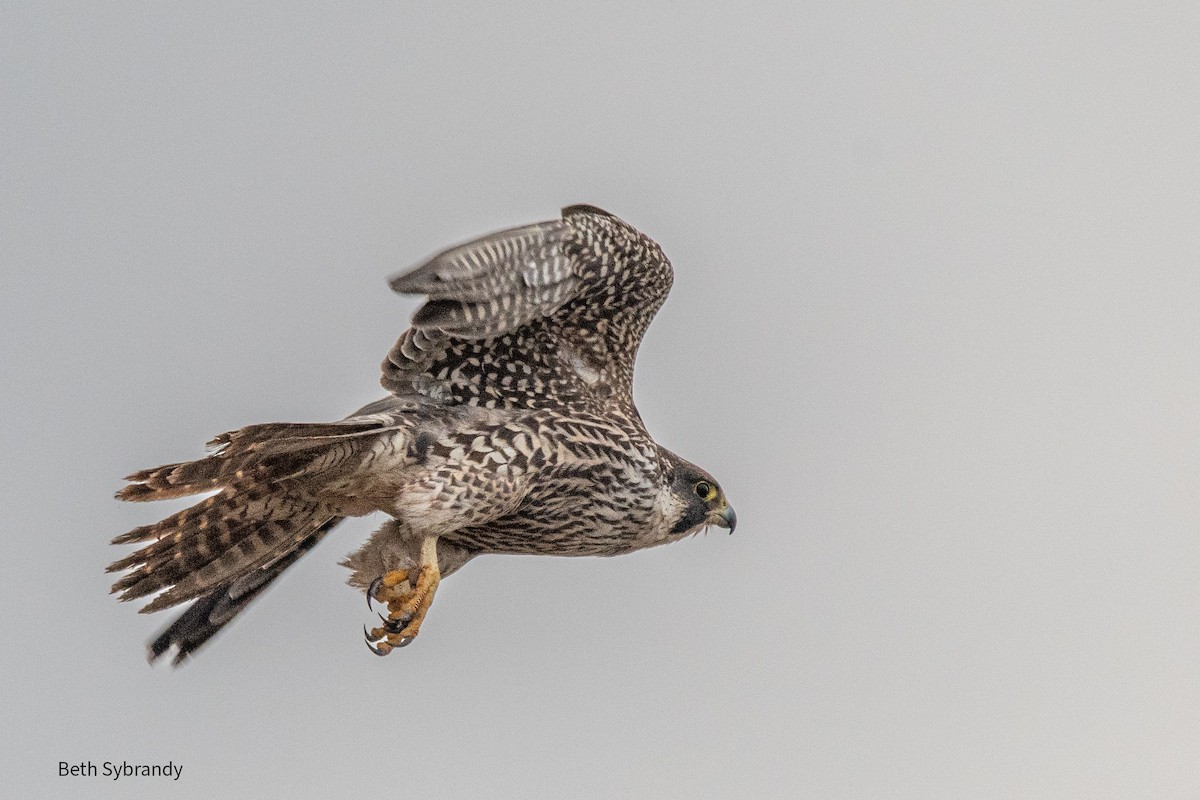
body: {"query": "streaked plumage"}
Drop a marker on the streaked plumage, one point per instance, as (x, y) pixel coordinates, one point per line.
(510, 428)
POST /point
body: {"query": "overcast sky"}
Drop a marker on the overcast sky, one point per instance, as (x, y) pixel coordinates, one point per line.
(934, 328)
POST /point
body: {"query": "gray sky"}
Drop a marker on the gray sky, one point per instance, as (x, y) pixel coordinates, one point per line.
(934, 328)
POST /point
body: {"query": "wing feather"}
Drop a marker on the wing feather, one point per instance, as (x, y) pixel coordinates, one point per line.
(494, 284)
(560, 306)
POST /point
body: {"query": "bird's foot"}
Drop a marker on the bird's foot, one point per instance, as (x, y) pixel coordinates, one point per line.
(407, 601)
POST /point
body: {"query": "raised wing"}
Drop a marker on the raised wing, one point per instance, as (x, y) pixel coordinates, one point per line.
(495, 284)
(547, 313)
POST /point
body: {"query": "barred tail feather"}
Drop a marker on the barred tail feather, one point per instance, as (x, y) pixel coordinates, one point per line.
(169, 482)
(217, 540)
(274, 451)
(270, 480)
(192, 629)
(279, 488)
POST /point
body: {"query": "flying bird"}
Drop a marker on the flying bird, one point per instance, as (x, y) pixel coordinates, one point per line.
(509, 427)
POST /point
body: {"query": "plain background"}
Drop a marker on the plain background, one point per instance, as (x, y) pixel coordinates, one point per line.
(934, 327)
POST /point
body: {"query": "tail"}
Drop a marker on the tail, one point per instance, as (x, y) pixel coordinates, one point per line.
(192, 629)
(276, 497)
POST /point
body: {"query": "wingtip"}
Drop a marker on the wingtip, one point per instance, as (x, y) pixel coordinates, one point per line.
(181, 656)
(401, 282)
(584, 208)
(160, 645)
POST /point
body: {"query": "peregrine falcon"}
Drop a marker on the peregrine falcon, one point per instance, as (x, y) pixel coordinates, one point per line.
(509, 427)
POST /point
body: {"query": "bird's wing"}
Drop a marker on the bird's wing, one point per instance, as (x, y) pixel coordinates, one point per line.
(548, 306)
(495, 284)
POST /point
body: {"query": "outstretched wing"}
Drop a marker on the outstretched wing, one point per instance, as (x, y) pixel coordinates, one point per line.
(553, 311)
(495, 284)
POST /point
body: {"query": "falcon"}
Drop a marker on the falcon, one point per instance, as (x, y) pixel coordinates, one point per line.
(509, 427)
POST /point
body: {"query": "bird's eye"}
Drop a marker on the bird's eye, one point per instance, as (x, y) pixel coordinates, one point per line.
(705, 490)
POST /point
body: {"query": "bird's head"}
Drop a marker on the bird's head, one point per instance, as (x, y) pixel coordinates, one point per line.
(697, 501)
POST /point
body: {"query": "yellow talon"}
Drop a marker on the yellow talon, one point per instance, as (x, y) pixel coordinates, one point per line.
(406, 609)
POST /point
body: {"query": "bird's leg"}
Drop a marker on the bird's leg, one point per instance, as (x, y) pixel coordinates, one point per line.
(407, 600)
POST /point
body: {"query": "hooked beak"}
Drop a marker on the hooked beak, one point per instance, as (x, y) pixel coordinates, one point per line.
(725, 518)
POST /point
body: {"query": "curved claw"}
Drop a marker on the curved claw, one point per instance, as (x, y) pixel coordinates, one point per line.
(371, 591)
(370, 645)
(396, 625)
